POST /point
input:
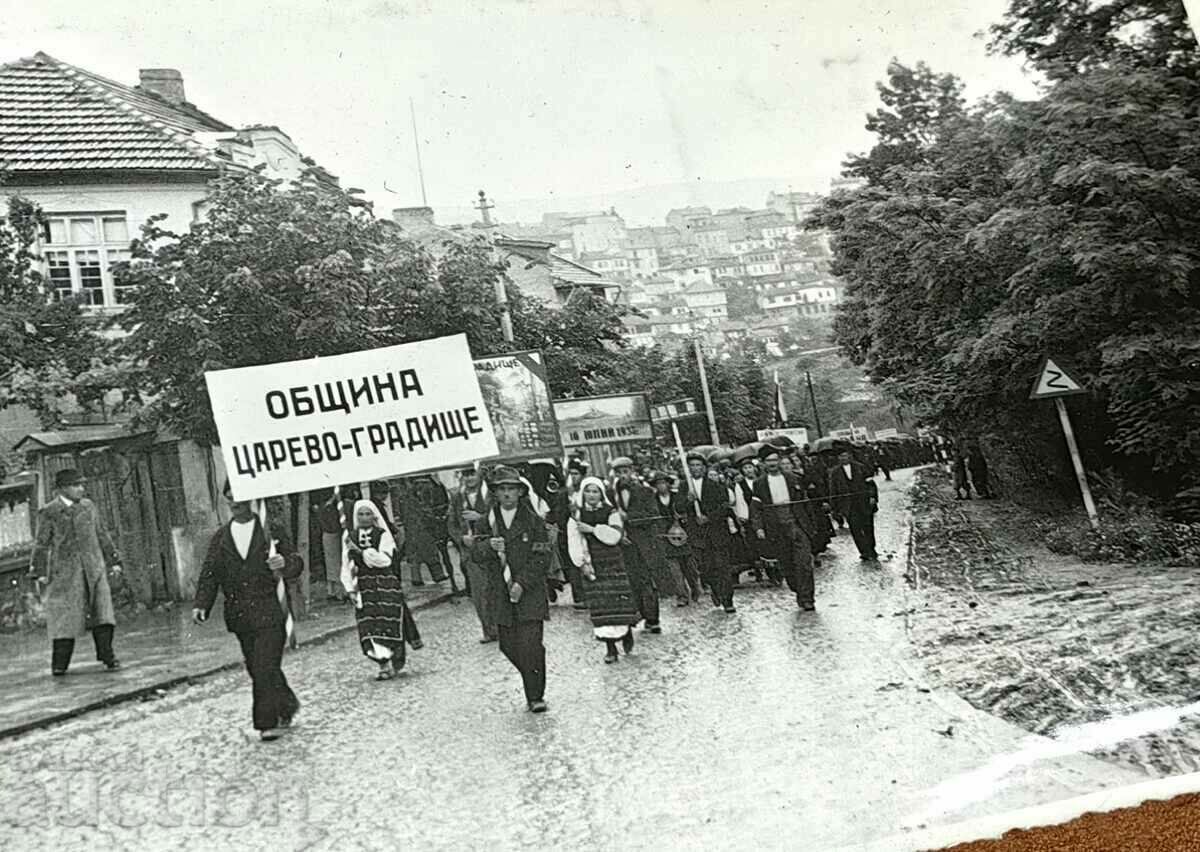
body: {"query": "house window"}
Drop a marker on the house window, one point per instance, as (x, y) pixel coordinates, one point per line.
(81, 250)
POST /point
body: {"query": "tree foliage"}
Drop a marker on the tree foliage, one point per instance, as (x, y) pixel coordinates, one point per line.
(42, 342)
(283, 273)
(1067, 225)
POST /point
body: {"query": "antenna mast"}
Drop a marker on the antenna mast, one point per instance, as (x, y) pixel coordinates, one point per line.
(417, 144)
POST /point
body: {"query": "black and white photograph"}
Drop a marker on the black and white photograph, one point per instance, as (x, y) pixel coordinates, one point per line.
(562, 424)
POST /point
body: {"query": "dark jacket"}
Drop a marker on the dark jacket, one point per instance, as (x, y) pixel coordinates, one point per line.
(249, 585)
(852, 496)
(639, 514)
(764, 515)
(714, 504)
(527, 551)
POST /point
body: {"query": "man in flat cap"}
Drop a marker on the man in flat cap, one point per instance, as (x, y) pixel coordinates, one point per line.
(514, 549)
(783, 524)
(71, 554)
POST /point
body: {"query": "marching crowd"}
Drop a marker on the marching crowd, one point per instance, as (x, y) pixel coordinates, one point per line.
(623, 539)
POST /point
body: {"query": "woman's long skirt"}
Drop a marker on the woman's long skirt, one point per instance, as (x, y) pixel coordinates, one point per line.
(611, 604)
(381, 616)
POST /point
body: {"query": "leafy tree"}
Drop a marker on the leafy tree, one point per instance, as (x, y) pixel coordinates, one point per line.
(583, 341)
(1063, 39)
(1063, 225)
(43, 343)
(279, 273)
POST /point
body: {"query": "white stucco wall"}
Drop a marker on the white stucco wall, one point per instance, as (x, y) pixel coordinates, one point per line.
(139, 201)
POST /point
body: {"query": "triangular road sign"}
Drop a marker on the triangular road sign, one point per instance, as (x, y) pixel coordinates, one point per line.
(1053, 380)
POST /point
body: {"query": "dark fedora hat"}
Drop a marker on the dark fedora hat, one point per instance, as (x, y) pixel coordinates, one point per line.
(661, 476)
(504, 475)
(67, 478)
(768, 450)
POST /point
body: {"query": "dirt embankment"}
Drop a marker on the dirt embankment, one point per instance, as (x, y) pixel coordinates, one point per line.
(1046, 641)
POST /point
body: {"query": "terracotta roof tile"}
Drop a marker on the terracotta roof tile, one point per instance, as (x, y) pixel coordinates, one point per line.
(56, 117)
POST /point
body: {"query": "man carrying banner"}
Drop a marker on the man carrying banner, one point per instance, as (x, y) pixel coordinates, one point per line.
(782, 521)
(514, 551)
(238, 563)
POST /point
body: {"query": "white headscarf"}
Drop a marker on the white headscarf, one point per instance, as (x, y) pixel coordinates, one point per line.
(599, 483)
(376, 557)
(607, 533)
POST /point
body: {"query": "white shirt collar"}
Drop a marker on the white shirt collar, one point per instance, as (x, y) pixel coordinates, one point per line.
(846, 467)
(66, 499)
(509, 515)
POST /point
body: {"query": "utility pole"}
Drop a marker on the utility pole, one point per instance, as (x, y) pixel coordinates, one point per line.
(412, 111)
(506, 326)
(708, 409)
(812, 398)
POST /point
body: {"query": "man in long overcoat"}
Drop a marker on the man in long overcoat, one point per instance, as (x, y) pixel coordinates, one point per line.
(514, 549)
(71, 553)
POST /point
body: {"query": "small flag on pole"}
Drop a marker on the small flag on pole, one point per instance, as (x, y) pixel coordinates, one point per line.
(780, 407)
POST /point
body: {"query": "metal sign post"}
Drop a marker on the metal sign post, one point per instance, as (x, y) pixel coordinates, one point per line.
(1088, 503)
(1054, 382)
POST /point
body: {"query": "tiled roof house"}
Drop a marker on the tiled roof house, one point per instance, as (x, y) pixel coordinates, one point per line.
(101, 157)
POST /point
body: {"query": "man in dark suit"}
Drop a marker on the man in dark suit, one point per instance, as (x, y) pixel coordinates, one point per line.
(855, 497)
(783, 523)
(246, 561)
(514, 549)
(707, 527)
(635, 501)
(73, 554)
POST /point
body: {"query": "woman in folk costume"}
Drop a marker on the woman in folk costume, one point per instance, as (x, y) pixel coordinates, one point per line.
(594, 535)
(370, 575)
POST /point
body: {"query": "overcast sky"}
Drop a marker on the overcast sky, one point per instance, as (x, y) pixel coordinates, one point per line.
(543, 100)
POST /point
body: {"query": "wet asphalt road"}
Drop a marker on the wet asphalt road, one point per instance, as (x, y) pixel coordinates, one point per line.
(770, 728)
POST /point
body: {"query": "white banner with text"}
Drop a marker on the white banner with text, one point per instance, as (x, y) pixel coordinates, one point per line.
(374, 414)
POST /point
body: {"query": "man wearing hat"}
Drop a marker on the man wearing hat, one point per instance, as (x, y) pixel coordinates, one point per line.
(635, 502)
(71, 553)
(514, 550)
(784, 526)
(707, 527)
(242, 564)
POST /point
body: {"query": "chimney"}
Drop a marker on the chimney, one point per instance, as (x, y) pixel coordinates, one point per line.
(167, 83)
(414, 218)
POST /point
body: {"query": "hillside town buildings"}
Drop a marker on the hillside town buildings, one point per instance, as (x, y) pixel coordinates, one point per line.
(677, 278)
